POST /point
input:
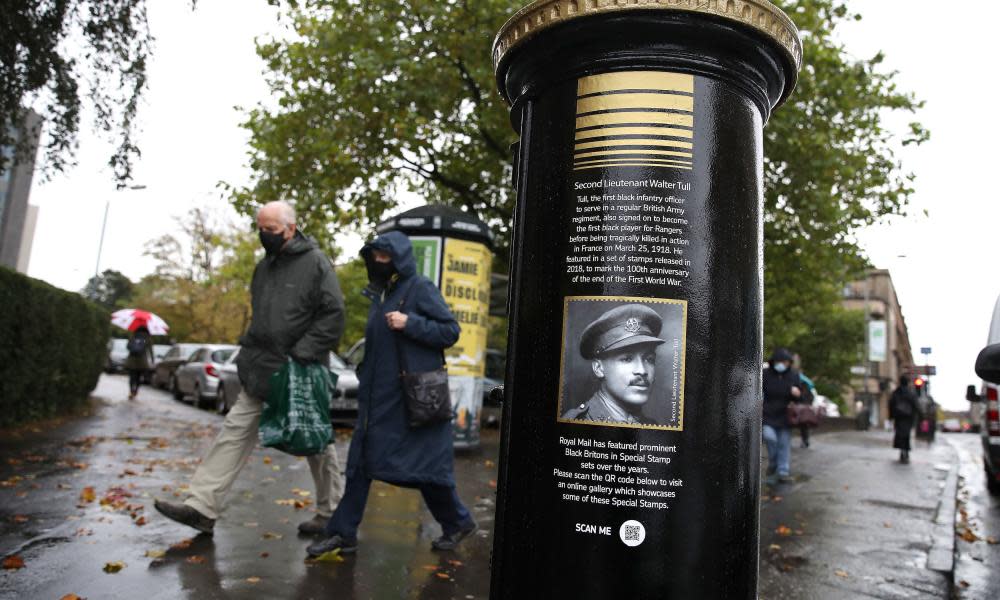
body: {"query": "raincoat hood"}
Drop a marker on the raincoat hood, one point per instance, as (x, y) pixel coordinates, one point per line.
(779, 355)
(399, 247)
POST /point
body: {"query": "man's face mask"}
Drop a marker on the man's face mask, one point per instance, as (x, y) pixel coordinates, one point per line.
(272, 242)
(781, 367)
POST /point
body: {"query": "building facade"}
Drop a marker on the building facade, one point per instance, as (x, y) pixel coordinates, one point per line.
(874, 380)
(17, 216)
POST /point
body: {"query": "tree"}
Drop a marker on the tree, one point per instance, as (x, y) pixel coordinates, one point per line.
(201, 285)
(353, 278)
(384, 96)
(54, 54)
(380, 97)
(110, 289)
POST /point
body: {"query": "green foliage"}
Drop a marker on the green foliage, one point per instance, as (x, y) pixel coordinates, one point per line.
(353, 278)
(54, 348)
(829, 169)
(56, 54)
(380, 97)
(110, 289)
(201, 286)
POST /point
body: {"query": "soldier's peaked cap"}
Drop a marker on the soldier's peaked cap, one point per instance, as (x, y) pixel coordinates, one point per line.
(621, 327)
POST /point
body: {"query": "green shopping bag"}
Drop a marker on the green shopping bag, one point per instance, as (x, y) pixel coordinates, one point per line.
(296, 418)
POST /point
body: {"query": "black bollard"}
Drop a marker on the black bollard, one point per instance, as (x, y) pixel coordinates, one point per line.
(630, 451)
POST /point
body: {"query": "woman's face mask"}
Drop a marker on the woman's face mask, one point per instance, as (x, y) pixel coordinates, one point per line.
(781, 367)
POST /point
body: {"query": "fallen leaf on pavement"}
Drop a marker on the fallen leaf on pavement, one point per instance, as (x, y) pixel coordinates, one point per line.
(182, 545)
(331, 556)
(887, 525)
(253, 579)
(963, 583)
(301, 493)
(84, 531)
(88, 494)
(267, 460)
(774, 547)
(13, 562)
(455, 563)
(114, 567)
(72, 597)
(265, 554)
(840, 573)
(250, 524)
(270, 535)
(968, 535)
(430, 567)
(443, 575)
(197, 559)
(783, 530)
(140, 521)
(493, 483)
(20, 518)
(155, 553)
(992, 540)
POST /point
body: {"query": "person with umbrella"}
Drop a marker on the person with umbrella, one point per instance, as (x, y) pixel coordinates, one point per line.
(142, 324)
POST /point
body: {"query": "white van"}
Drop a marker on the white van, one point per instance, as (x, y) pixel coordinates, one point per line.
(987, 403)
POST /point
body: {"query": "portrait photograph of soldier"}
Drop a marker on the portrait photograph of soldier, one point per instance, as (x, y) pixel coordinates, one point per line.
(623, 362)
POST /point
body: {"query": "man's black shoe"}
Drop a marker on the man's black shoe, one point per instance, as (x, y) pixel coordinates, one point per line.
(313, 526)
(330, 544)
(184, 514)
(450, 541)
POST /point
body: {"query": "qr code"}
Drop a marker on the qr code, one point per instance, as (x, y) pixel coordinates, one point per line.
(631, 533)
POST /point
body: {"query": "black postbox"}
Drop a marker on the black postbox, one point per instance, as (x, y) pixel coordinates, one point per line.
(630, 457)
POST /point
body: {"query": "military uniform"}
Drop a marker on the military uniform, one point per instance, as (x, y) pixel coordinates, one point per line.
(600, 408)
(616, 330)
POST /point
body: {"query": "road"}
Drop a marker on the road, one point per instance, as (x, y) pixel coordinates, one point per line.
(76, 498)
(977, 564)
(80, 496)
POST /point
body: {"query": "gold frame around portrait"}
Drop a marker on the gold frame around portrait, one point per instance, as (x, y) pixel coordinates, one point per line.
(683, 360)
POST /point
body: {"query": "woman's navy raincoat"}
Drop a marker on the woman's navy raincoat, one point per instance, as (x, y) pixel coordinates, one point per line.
(384, 447)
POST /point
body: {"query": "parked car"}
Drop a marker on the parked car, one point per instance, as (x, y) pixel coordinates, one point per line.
(496, 365)
(117, 353)
(163, 372)
(986, 403)
(198, 377)
(343, 398)
(951, 426)
(229, 385)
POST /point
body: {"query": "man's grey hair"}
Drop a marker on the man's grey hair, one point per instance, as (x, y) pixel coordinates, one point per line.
(285, 211)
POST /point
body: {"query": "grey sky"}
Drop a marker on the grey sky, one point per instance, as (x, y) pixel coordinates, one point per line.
(204, 65)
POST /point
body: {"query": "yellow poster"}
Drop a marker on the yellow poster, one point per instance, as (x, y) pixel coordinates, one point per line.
(465, 284)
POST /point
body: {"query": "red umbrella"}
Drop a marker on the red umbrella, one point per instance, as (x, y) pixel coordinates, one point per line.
(134, 318)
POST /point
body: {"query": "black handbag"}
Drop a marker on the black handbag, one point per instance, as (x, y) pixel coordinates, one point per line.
(425, 394)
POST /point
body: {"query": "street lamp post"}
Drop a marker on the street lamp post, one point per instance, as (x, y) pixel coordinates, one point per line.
(104, 225)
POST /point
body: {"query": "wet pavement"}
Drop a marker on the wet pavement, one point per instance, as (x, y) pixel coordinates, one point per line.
(858, 524)
(977, 564)
(76, 506)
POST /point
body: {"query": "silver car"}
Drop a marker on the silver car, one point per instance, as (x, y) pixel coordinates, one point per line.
(117, 354)
(343, 399)
(198, 377)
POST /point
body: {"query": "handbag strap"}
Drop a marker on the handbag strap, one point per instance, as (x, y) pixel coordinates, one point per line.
(399, 340)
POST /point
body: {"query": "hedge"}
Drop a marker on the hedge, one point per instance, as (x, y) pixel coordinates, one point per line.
(53, 346)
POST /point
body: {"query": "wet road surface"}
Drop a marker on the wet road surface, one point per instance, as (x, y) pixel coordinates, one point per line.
(856, 523)
(977, 564)
(77, 501)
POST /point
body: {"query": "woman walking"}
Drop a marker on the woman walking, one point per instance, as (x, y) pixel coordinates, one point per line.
(903, 412)
(782, 386)
(409, 326)
(140, 359)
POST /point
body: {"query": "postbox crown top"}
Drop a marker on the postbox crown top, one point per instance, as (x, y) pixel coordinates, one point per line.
(761, 15)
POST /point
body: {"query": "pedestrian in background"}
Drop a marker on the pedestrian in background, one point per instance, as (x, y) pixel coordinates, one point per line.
(408, 322)
(903, 412)
(782, 386)
(298, 314)
(808, 396)
(139, 360)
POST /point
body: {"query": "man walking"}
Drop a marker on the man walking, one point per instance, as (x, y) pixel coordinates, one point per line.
(409, 325)
(903, 412)
(298, 314)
